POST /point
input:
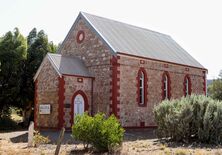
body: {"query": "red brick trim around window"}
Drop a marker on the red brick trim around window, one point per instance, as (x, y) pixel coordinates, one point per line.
(78, 35)
(35, 104)
(168, 85)
(189, 86)
(86, 105)
(204, 83)
(142, 70)
(114, 105)
(61, 102)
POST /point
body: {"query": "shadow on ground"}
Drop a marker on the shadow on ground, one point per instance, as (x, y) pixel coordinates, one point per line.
(139, 134)
(23, 138)
(130, 135)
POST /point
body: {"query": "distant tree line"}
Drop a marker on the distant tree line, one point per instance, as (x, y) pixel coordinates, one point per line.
(20, 58)
(215, 88)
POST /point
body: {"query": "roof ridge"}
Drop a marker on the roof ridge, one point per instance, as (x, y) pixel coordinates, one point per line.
(131, 25)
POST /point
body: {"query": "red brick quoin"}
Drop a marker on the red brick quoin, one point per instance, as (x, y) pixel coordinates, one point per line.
(61, 102)
(114, 109)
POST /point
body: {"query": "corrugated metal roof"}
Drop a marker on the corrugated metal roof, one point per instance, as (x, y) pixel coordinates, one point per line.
(138, 41)
(69, 65)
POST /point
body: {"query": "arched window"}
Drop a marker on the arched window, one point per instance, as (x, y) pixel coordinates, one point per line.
(142, 87)
(166, 86)
(187, 86)
(141, 92)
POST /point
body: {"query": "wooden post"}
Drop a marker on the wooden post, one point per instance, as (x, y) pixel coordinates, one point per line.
(59, 141)
(30, 134)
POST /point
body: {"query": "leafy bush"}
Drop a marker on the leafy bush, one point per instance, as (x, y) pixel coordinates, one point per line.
(102, 133)
(196, 118)
(83, 129)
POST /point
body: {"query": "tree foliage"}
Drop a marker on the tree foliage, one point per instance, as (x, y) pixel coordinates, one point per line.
(20, 58)
(215, 88)
(13, 52)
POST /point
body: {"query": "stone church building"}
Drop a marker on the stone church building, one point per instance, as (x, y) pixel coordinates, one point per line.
(116, 68)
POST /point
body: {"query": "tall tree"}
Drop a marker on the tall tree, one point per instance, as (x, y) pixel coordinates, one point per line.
(13, 51)
(19, 61)
(38, 47)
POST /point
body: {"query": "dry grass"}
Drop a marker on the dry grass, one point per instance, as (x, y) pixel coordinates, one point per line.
(140, 147)
(132, 145)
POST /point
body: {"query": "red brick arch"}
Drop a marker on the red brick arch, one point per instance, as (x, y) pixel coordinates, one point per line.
(86, 105)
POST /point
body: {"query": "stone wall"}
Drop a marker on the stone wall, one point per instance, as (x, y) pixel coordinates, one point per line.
(47, 93)
(96, 56)
(131, 114)
(71, 86)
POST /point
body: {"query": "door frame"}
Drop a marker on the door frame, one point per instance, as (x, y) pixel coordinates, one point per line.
(86, 106)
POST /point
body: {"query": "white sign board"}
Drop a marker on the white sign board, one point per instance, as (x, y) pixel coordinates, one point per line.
(44, 109)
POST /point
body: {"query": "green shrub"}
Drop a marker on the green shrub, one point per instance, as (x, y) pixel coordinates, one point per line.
(102, 133)
(82, 130)
(196, 118)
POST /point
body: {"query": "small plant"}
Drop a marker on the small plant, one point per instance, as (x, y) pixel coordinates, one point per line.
(167, 151)
(181, 152)
(162, 147)
(39, 139)
(102, 133)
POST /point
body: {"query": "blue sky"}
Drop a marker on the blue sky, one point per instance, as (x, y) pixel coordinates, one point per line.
(195, 24)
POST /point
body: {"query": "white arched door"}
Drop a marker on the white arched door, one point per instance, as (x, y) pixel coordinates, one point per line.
(79, 105)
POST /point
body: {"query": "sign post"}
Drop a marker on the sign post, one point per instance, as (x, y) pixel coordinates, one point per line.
(61, 135)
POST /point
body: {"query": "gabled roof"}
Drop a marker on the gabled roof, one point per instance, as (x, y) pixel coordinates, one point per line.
(65, 65)
(133, 40)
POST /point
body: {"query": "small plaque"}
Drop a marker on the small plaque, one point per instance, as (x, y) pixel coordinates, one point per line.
(44, 109)
(67, 105)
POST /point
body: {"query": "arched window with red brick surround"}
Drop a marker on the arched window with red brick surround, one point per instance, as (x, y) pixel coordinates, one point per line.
(187, 85)
(142, 87)
(166, 94)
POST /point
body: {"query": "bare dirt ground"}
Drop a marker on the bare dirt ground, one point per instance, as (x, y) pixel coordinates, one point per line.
(136, 142)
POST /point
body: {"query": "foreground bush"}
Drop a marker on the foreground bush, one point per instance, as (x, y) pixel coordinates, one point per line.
(102, 133)
(194, 118)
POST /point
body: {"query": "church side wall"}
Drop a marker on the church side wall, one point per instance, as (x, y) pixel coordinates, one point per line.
(47, 93)
(133, 115)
